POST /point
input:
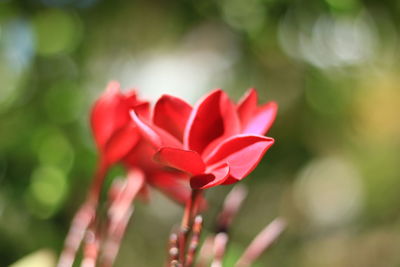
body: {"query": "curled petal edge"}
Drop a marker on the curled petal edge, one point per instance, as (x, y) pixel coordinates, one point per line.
(211, 179)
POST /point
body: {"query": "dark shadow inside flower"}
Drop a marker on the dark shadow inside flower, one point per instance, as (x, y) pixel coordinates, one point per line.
(201, 180)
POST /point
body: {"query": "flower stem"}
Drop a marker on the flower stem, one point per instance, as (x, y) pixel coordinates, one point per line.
(190, 212)
(194, 241)
(262, 242)
(119, 212)
(231, 207)
(82, 219)
(91, 248)
(220, 242)
(97, 184)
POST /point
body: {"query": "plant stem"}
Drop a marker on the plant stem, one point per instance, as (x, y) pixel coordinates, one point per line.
(91, 248)
(220, 242)
(82, 219)
(97, 184)
(231, 207)
(173, 250)
(194, 241)
(213, 249)
(119, 213)
(262, 242)
(187, 222)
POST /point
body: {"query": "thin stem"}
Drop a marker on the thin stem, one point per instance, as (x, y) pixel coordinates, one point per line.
(194, 241)
(119, 213)
(91, 248)
(187, 221)
(213, 248)
(82, 219)
(189, 208)
(97, 183)
(206, 252)
(231, 207)
(220, 242)
(262, 242)
(173, 250)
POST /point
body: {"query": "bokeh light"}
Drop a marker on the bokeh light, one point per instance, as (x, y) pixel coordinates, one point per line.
(41, 258)
(329, 191)
(51, 23)
(47, 190)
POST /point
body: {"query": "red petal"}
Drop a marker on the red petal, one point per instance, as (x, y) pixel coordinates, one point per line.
(205, 123)
(103, 114)
(142, 109)
(121, 143)
(247, 106)
(171, 114)
(262, 120)
(230, 116)
(214, 178)
(141, 157)
(230, 180)
(171, 186)
(155, 136)
(241, 153)
(231, 123)
(184, 160)
(110, 113)
(213, 117)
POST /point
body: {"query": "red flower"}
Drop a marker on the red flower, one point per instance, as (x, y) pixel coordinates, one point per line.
(113, 131)
(119, 141)
(216, 142)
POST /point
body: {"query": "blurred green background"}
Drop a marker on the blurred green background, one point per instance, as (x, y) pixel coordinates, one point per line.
(332, 65)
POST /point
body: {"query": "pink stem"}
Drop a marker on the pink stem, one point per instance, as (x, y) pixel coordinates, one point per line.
(214, 247)
(82, 219)
(232, 204)
(194, 241)
(187, 221)
(173, 250)
(220, 242)
(119, 214)
(206, 252)
(262, 242)
(91, 249)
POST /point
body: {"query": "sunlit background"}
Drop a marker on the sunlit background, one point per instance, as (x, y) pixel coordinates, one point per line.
(333, 67)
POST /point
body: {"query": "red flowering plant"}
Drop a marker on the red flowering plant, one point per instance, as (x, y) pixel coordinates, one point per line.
(118, 141)
(216, 142)
(172, 147)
